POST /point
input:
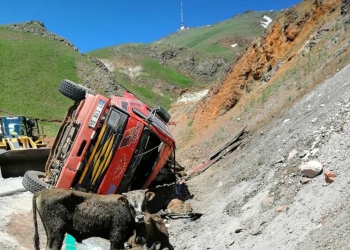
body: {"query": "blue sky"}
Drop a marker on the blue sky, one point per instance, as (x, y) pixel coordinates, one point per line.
(94, 24)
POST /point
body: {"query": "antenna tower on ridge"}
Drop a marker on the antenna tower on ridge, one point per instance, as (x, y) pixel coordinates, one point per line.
(182, 27)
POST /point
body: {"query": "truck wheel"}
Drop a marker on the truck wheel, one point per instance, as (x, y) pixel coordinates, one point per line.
(72, 90)
(163, 114)
(32, 182)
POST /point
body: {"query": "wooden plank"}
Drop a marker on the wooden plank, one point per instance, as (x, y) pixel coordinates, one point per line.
(228, 147)
(229, 143)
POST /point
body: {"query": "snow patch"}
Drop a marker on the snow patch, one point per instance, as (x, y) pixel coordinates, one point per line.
(192, 97)
(132, 72)
(265, 21)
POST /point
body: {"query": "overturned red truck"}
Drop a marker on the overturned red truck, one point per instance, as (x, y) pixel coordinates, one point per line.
(105, 145)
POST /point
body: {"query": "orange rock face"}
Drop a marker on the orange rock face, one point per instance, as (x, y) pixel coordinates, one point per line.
(281, 41)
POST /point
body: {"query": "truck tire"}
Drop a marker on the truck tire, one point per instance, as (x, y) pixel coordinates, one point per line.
(32, 182)
(163, 114)
(72, 90)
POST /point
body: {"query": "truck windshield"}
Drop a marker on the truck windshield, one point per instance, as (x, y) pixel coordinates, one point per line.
(11, 125)
(156, 121)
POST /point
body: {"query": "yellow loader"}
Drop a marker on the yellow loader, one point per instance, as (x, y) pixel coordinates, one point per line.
(22, 146)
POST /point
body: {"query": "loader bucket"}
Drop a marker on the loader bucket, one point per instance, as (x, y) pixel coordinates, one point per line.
(14, 163)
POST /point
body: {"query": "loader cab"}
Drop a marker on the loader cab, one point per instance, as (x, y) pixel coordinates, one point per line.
(11, 126)
(20, 132)
(11, 130)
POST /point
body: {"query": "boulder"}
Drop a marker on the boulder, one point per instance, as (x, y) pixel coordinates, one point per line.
(311, 169)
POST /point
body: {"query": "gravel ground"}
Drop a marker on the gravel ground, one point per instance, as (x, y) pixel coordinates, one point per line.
(253, 198)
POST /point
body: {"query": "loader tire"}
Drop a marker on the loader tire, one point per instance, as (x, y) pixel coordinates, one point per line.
(72, 90)
(32, 182)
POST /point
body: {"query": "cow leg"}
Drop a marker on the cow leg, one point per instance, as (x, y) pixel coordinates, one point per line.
(157, 245)
(117, 242)
(54, 241)
(116, 246)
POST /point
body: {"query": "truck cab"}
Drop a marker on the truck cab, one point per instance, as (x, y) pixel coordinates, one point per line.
(105, 145)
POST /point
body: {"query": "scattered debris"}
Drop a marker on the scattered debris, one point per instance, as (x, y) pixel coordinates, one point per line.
(329, 175)
(304, 180)
(230, 244)
(292, 154)
(191, 216)
(256, 233)
(281, 208)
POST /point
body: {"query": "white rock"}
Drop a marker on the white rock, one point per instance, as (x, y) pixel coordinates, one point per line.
(311, 168)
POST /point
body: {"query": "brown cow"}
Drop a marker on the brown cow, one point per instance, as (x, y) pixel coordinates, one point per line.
(85, 215)
(151, 234)
(178, 206)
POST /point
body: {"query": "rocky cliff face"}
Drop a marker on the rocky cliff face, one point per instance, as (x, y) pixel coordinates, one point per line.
(38, 28)
(279, 46)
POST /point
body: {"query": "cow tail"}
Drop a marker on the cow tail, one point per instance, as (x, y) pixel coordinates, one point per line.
(36, 234)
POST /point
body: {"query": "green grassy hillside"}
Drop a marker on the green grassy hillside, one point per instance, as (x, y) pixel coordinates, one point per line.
(157, 77)
(31, 68)
(191, 58)
(215, 38)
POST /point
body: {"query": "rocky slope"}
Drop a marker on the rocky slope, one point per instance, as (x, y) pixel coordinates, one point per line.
(278, 48)
(290, 90)
(257, 197)
(302, 47)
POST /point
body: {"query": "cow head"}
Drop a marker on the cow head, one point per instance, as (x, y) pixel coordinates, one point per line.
(137, 201)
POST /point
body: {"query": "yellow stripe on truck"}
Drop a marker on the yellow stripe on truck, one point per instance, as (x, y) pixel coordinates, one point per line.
(103, 158)
(109, 158)
(103, 129)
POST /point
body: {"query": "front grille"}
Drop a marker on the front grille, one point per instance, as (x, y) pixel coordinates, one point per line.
(102, 150)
